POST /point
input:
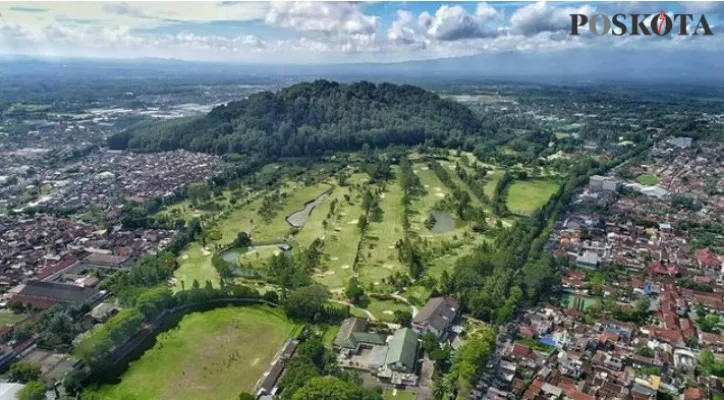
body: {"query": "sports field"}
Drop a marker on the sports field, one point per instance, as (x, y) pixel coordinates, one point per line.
(527, 196)
(199, 358)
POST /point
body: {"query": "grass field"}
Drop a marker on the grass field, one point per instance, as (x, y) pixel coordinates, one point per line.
(8, 317)
(527, 196)
(493, 178)
(648, 180)
(330, 334)
(396, 394)
(195, 263)
(378, 253)
(384, 309)
(198, 359)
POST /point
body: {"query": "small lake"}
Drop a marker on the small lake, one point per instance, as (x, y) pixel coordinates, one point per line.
(299, 218)
(444, 222)
(232, 255)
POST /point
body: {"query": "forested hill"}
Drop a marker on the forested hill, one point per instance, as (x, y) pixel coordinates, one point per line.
(310, 118)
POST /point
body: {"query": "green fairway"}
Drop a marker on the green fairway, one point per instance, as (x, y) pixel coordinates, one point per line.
(422, 205)
(198, 359)
(195, 263)
(341, 240)
(527, 196)
(378, 258)
(648, 180)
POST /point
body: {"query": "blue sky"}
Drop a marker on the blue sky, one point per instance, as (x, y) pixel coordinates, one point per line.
(323, 32)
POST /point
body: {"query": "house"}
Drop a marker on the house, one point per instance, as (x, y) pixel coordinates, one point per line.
(681, 142)
(437, 316)
(399, 365)
(604, 183)
(352, 336)
(588, 259)
(706, 258)
(45, 294)
(402, 352)
(349, 327)
(269, 382)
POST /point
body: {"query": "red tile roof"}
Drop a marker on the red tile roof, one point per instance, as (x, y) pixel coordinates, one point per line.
(694, 393)
(55, 268)
(706, 257)
(520, 350)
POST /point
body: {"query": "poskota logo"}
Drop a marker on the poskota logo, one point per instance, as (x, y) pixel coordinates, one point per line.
(637, 24)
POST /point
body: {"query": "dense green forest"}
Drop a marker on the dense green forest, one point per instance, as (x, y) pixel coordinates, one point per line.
(311, 118)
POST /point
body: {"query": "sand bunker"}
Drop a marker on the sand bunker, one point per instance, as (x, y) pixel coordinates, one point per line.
(388, 312)
(345, 266)
(427, 186)
(185, 257)
(437, 189)
(425, 168)
(441, 195)
(382, 195)
(354, 221)
(205, 252)
(334, 258)
(389, 266)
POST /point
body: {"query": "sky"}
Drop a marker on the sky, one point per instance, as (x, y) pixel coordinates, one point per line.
(328, 32)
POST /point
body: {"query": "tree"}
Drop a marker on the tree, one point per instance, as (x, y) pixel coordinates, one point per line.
(17, 306)
(404, 318)
(306, 302)
(354, 291)
(331, 388)
(33, 390)
(296, 375)
(73, 380)
(242, 240)
(24, 371)
(362, 223)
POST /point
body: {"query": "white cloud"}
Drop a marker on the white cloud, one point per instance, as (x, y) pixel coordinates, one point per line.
(543, 17)
(328, 18)
(304, 32)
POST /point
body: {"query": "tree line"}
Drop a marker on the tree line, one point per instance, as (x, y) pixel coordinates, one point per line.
(311, 118)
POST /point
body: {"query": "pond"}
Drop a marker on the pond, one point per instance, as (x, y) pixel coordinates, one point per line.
(299, 218)
(233, 256)
(444, 222)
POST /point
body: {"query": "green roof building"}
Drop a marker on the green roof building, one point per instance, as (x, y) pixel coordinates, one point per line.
(402, 351)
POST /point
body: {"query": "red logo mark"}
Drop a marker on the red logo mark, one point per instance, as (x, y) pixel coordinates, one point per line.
(662, 19)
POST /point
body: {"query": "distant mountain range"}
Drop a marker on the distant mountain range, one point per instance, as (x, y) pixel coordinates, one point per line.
(571, 67)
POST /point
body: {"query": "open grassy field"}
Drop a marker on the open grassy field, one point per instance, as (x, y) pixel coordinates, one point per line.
(397, 394)
(378, 253)
(527, 196)
(648, 180)
(199, 358)
(8, 317)
(384, 309)
(195, 263)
